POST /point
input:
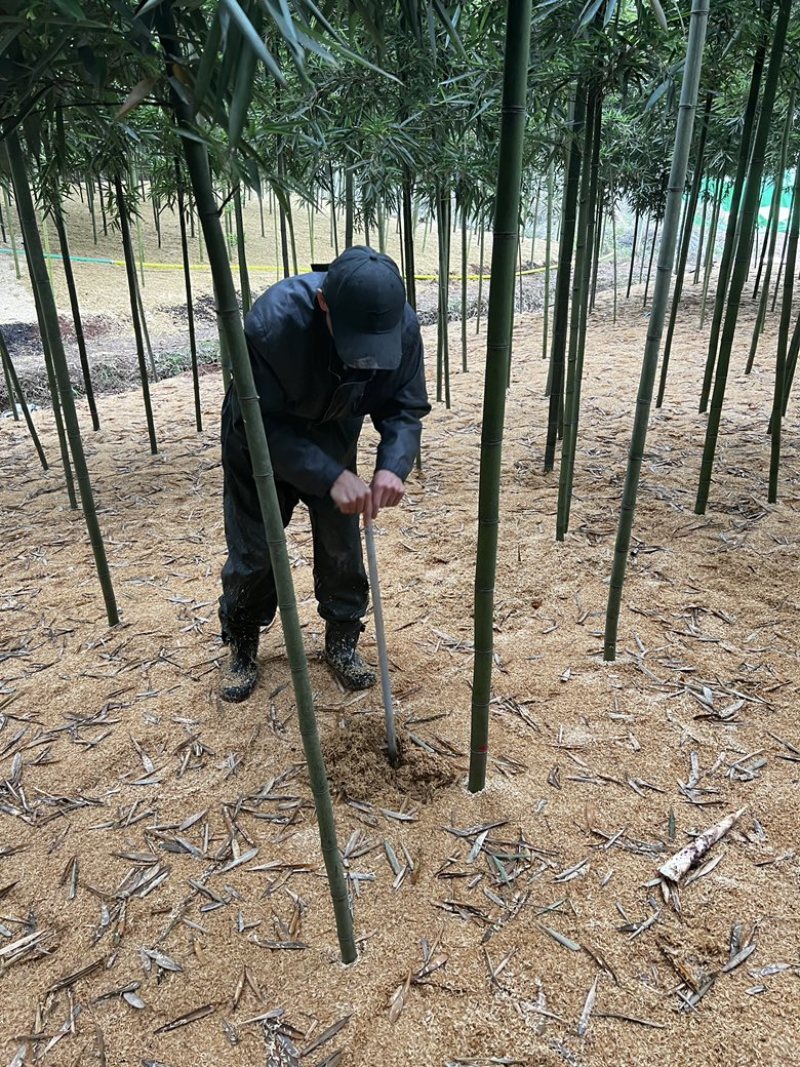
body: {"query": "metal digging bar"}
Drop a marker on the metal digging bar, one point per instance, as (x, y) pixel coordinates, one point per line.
(383, 658)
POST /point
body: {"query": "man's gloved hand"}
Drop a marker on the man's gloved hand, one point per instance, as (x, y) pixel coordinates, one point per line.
(387, 491)
(350, 495)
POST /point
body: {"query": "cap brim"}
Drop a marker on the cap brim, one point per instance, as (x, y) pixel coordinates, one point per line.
(369, 351)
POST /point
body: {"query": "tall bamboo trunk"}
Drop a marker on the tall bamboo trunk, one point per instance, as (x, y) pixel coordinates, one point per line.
(244, 277)
(732, 228)
(750, 199)
(243, 383)
(783, 256)
(770, 238)
(187, 281)
(633, 254)
(52, 380)
(27, 216)
(501, 306)
(464, 268)
(61, 230)
(650, 262)
(579, 308)
(408, 239)
(548, 247)
(11, 235)
(349, 208)
(677, 180)
(15, 387)
(130, 270)
(563, 278)
(783, 340)
(711, 246)
(701, 240)
(443, 346)
(686, 240)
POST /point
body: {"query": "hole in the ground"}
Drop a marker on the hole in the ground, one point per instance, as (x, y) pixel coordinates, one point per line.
(357, 761)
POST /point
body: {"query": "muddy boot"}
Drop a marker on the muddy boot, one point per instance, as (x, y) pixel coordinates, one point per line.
(341, 639)
(241, 671)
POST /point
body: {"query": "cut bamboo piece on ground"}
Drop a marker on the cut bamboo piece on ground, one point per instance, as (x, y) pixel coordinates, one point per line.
(675, 868)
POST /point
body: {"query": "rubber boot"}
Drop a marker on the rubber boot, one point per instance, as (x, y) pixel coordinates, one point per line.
(341, 639)
(241, 672)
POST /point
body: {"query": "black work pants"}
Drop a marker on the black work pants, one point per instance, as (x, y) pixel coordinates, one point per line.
(248, 596)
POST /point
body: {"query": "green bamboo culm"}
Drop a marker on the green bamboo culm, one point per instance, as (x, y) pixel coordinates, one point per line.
(464, 258)
(231, 323)
(27, 217)
(783, 341)
(130, 270)
(244, 277)
(711, 246)
(547, 252)
(569, 212)
(666, 257)
(61, 230)
(52, 381)
(15, 387)
(771, 237)
(187, 280)
(11, 236)
(501, 308)
(9, 387)
(750, 200)
(686, 240)
(732, 229)
(580, 307)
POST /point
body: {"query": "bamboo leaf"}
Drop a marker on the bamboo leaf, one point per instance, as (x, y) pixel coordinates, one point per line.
(254, 41)
(136, 96)
(70, 8)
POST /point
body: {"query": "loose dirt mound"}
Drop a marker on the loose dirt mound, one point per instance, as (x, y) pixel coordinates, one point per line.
(359, 768)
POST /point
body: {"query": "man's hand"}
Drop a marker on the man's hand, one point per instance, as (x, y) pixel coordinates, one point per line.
(350, 495)
(387, 491)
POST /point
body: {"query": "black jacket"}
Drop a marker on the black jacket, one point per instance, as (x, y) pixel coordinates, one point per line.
(302, 386)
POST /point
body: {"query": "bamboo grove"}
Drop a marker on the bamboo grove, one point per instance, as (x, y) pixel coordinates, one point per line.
(572, 135)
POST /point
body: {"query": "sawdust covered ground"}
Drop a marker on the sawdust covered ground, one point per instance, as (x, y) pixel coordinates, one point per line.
(167, 844)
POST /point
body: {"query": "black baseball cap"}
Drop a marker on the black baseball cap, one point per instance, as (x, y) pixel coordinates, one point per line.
(366, 299)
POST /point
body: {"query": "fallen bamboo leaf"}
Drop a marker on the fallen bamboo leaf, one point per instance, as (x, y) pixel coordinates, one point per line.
(185, 1020)
(586, 1014)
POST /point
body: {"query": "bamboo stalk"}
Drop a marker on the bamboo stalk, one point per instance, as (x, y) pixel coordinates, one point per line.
(731, 230)
(244, 278)
(677, 179)
(27, 216)
(244, 385)
(770, 239)
(130, 270)
(61, 230)
(548, 246)
(13, 384)
(52, 381)
(741, 263)
(633, 253)
(783, 257)
(563, 278)
(464, 261)
(11, 236)
(711, 247)
(187, 280)
(501, 305)
(578, 308)
(685, 243)
(783, 341)
(407, 244)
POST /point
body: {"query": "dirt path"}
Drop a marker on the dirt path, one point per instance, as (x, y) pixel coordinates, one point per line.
(168, 844)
